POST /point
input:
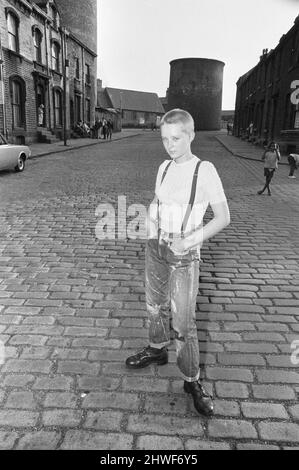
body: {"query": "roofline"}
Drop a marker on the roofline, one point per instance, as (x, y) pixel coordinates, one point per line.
(134, 91)
(269, 54)
(196, 59)
(78, 41)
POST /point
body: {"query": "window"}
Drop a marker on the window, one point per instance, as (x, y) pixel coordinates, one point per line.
(77, 108)
(77, 68)
(297, 49)
(13, 32)
(58, 108)
(55, 56)
(266, 74)
(293, 56)
(259, 76)
(287, 112)
(269, 72)
(278, 64)
(87, 74)
(38, 45)
(54, 17)
(18, 102)
(87, 111)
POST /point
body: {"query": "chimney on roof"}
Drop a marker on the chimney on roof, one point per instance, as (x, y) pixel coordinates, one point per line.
(282, 37)
(264, 54)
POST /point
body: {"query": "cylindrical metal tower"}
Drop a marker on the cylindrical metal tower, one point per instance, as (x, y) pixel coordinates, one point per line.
(81, 19)
(196, 86)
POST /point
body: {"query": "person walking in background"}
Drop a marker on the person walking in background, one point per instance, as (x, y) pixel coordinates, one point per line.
(293, 160)
(109, 129)
(271, 157)
(41, 115)
(97, 126)
(104, 128)
(250, 131)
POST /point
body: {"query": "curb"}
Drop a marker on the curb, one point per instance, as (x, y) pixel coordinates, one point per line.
(243, 156)
(51, 152)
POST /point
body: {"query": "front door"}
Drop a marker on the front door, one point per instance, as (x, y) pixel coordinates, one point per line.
(77, 108)
(40, 102)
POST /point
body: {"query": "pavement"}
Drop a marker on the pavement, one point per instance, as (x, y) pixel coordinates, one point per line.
(42, 150)
(243, 148)
(72, 309)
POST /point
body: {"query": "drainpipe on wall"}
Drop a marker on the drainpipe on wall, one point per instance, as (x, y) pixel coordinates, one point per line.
(5, 130)
(83, 84)
(64, 54)
(48, 73)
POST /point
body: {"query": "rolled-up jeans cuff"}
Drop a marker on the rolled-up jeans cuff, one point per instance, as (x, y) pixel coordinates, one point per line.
(159, 345)
(191, 379)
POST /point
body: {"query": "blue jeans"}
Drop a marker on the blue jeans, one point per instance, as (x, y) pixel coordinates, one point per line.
(173, 280)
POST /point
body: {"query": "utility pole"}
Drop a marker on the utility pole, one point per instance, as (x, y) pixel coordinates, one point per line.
(121, 110)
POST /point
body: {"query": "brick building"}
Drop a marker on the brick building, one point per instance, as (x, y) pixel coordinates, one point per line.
(42, 63)
(104, 109)
(266, 95)
(137, 108)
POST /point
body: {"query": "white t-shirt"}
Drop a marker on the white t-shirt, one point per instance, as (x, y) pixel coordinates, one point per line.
(174, 194)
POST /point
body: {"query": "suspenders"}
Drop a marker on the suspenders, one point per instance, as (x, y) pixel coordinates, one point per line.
(191, 200)
(165, 171)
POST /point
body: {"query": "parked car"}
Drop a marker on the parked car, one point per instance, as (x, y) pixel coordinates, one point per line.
(13, 156)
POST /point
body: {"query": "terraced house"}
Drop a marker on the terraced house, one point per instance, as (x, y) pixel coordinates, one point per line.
(48, 68)
(138, 109)
(267, 97)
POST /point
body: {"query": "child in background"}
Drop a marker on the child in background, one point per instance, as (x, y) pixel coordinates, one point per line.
(271, 157)
(293, 160)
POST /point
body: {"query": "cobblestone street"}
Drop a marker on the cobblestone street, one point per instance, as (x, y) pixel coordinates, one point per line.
(72, 309)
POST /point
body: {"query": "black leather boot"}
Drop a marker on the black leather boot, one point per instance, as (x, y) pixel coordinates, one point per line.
(202, 401)
(146, 357)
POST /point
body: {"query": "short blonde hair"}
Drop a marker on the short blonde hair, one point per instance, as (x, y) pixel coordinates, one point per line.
(179, 116)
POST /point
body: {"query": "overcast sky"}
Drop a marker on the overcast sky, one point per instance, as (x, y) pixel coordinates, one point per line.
(138, 38)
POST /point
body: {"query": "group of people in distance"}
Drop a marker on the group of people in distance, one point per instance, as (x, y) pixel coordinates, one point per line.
(102, 129)
(230, 128)
(81, 129)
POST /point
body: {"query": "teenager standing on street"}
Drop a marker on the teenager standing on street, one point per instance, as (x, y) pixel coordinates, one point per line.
(185, 187)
